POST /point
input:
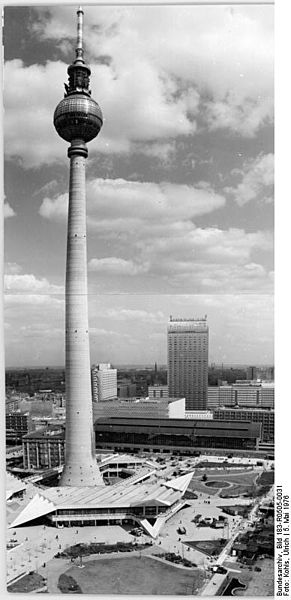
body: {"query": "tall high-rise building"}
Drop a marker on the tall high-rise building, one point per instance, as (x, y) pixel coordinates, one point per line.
(104, 382)
(188, 361)
(78, 119)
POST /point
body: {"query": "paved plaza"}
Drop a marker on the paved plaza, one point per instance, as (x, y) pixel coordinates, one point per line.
(39, 544)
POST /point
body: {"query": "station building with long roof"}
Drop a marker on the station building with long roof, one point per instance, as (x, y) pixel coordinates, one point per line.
(182, 435)
(45, 448)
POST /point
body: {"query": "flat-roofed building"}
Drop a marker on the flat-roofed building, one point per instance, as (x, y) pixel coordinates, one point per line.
(44, 448)
(104, 382)
(158, 391)
(198, 414)
(212, 396)
(244, 393)
(151, 408)
(17, 425)
(175, 434)
(126, 389)
(267, 394)
(12, 403)
(256, 415)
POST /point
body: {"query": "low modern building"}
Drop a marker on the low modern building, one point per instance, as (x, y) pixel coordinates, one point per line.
(199, 414)
(151, 408)
(126, 389)
(268, 394)
(158, 391)
(17, 425)
(139, 500)
(122, 434)
(104, 382)
(12, 403)
(44, 448)
(256, 415)
(244, 393)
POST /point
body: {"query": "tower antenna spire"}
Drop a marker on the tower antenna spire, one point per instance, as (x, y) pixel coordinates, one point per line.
(79, 48)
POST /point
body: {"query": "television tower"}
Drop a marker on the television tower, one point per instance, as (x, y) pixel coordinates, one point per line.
(78, 119)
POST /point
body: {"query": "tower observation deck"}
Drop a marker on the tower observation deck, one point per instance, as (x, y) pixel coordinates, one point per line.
(78, 120)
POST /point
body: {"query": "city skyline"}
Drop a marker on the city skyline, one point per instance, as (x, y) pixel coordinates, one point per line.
(179, 184)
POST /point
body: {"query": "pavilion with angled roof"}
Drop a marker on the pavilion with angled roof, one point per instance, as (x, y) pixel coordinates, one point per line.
(141, 500)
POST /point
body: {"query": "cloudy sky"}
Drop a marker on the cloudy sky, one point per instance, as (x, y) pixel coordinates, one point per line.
(179, 181)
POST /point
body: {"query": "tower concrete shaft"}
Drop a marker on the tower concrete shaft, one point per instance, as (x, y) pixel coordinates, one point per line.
(80, 462)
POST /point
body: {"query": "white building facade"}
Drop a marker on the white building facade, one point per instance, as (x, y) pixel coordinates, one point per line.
(151, 408)
(104, 382)
(253, 394)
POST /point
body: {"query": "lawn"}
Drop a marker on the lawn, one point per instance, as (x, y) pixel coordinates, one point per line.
(217, 484)
(237, 509)
(135, 575)
(209, 547)
(242, 482)
(260, 583)
(207, 464)
(237, 490)
(28, 583)
(249, 483)
(68, 585)
(241, 477)
(198, 486)
(266, 478)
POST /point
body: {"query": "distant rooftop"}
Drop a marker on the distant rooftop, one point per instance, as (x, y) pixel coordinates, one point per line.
(179, 319)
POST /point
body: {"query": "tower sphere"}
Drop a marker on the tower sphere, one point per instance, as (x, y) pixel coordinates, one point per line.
(78, 116)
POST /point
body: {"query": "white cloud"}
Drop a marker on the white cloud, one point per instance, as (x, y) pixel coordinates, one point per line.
(156, 70)
(217, 278)
(244, 118)
(55, 208)
(153, 235)
(12, 269)
(126, 314)
(43, 301)
(23, 283)
(164, 151)
(132, 202)
(257, 181)
(115, 266)
(8, 211)
(209, 245)
(29, 104)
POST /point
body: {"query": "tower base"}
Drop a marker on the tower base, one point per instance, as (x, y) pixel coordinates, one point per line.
(81, 476)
